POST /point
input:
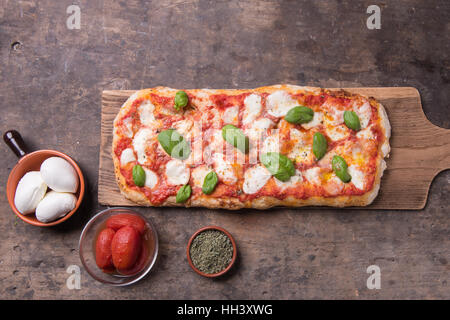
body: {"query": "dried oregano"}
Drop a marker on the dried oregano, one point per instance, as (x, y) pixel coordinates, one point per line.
(211, 251)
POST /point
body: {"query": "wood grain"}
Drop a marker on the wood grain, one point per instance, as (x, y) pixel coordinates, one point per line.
(420, 150)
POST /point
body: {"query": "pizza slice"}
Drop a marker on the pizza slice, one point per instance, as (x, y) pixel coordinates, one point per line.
(280, 145)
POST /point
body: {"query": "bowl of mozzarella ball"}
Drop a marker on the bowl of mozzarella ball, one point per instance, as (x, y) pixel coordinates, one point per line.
(45, 188)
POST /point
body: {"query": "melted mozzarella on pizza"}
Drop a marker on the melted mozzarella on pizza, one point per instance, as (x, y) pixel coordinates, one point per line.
(141, 141)
(224, 169)
(336, 133)
(279, 103)
(313, 175)
(127, 127)
(146, 113)
(358, 178)
(271, 144)
(316, 121)
(255, 178)
(364, 113)
(252, 109)
(231, 115)
(258, 128)
(291, 183)
(199, 174)
(177, 173)
(151, 179)
(127, 156)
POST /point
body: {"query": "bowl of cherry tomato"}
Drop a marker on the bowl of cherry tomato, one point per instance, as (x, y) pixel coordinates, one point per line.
(118, 246)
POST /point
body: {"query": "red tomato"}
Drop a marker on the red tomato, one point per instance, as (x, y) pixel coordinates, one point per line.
(125, 219)
(140, 262)
(103, 255)
(125, 247)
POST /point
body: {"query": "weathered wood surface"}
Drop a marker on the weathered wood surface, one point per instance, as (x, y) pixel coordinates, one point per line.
(405, 166)
(51, 80)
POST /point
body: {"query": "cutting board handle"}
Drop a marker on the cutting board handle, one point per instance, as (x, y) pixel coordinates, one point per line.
(445, 137)
(436, 152)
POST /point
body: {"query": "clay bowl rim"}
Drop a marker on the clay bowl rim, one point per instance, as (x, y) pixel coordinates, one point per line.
(12, 185)
(233, 259)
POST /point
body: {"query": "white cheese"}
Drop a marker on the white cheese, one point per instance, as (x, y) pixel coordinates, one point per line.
(224, 169)
(325, 162)
(366, 134)
(358, 177)
(334, 116)
(252, 109)
(151, 179)
(127, 156)
(279, 103)
(55, 205)
(199, 174)
(183, 127)
(212, 117)
(364, 113)
(336, 133)
(215, 139)
(59, 175)
(258, 128)
(317, 120)
(146, 113)
(334, 185)
(140, 142)
(177, 172)
(313, 175)
(231, 115)
(297, 135)
(30, 190)
(127, 127)
(301, 153)
(195, 137)
(255, 178)
(271, 144)
(201, 99)
(292, 182)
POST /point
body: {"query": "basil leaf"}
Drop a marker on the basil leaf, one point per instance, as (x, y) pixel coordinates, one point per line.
(181, 100)
(138, 176)
(280, 166)
(210, 182)
(235, 137)
(174, 144)
(320, 145)
(299, 114)
(351, 120)
(340, 169)
(183, 194)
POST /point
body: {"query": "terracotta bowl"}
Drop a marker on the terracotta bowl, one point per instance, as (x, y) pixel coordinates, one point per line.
(233, 259)
(32, 162)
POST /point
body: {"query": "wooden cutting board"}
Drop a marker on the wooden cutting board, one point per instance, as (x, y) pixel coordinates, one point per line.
(420, 150)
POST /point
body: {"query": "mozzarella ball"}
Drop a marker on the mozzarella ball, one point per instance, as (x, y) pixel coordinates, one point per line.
(59, 175)
(30, 190)
(55, 205)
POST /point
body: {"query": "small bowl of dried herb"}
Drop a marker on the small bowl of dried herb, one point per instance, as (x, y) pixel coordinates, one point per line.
(211, 251)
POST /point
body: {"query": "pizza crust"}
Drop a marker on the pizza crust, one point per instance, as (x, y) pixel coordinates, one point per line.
(263, 202)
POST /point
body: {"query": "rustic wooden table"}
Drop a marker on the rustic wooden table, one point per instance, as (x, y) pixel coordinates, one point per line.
(51, 81)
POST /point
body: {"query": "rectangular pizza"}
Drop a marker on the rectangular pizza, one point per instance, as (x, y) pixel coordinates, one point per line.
(280, 145)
